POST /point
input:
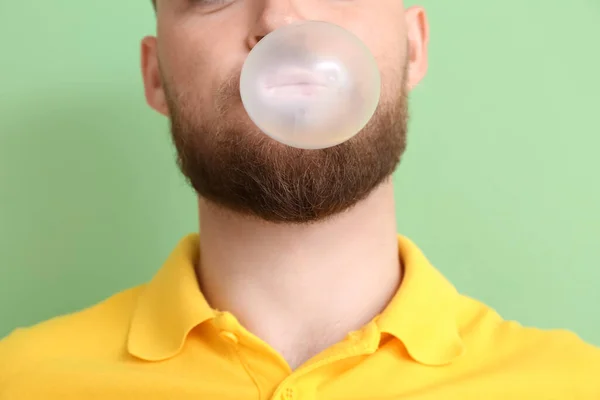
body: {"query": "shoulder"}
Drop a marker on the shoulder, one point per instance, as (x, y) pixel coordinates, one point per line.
(96, 331)
(556, 360)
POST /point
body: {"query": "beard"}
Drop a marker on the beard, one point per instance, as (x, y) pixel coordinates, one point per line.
(229, 162)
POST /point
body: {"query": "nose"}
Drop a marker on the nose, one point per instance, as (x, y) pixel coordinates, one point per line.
(271, 15)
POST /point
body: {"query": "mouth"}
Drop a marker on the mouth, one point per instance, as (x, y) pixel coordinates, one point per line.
(294, 83)
(299, 89)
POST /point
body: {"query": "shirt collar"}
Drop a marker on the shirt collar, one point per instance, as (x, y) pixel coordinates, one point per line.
(170, 306)
(421, 315)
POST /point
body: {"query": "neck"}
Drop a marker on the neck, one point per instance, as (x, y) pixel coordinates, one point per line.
(302, 288)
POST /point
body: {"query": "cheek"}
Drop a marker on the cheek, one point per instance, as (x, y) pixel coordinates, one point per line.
(188, 74)
(197, 64)
(182, 57)
(388, 47)
(390, 56)
(385, 38)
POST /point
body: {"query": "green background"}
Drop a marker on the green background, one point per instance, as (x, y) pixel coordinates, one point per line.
(499, 186)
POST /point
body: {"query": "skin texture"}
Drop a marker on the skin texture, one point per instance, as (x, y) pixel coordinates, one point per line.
(285, 230)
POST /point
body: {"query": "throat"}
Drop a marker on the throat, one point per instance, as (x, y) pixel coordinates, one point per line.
(296, 351)
(302, 288)
(300, 315)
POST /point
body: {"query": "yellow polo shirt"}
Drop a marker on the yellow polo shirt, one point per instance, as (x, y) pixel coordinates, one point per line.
(163, 341)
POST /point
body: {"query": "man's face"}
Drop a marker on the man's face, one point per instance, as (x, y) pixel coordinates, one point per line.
(191, 74)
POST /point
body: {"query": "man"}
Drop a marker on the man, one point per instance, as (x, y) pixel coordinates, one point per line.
(299, 287)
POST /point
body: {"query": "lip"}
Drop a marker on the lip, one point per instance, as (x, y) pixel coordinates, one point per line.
(294, 91)
(295, 78)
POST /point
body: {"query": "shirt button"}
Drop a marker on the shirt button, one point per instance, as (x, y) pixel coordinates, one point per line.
(288, 394)
(230, 337)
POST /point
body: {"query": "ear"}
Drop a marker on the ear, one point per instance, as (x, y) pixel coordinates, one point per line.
(153, 85)
(418, 39)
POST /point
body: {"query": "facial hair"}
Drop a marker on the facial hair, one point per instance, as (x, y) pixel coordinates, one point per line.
(229, 162)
